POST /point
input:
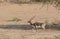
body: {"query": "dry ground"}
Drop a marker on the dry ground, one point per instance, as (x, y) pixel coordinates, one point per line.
(25, 12)
(27, 34)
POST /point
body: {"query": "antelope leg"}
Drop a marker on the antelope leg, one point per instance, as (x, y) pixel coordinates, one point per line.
(43, 26)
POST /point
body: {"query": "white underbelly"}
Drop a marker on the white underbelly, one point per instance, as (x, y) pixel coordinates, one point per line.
(38, 26)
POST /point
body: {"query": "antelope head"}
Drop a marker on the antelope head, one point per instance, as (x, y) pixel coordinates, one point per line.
(31, 19)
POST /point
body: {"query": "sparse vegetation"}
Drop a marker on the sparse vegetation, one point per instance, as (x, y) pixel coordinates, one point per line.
(55, 37)
(56, 3)
(15, 19)
(23, 31)
(48, 38)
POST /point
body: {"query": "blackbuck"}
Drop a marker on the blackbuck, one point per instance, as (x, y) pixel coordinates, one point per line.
(37, 25)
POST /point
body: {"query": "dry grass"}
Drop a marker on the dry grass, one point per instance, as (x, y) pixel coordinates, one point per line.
(25, 12)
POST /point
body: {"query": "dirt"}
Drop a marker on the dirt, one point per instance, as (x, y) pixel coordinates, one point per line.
(25, 12)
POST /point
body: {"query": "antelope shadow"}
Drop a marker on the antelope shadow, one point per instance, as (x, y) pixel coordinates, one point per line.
(22, 27)
(56, 27)
(27, 27)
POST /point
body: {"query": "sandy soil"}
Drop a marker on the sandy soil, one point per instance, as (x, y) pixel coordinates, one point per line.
(25, 12)
(27, 34)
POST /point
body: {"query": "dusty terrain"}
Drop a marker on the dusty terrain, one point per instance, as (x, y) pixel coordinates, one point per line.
(25, 12)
